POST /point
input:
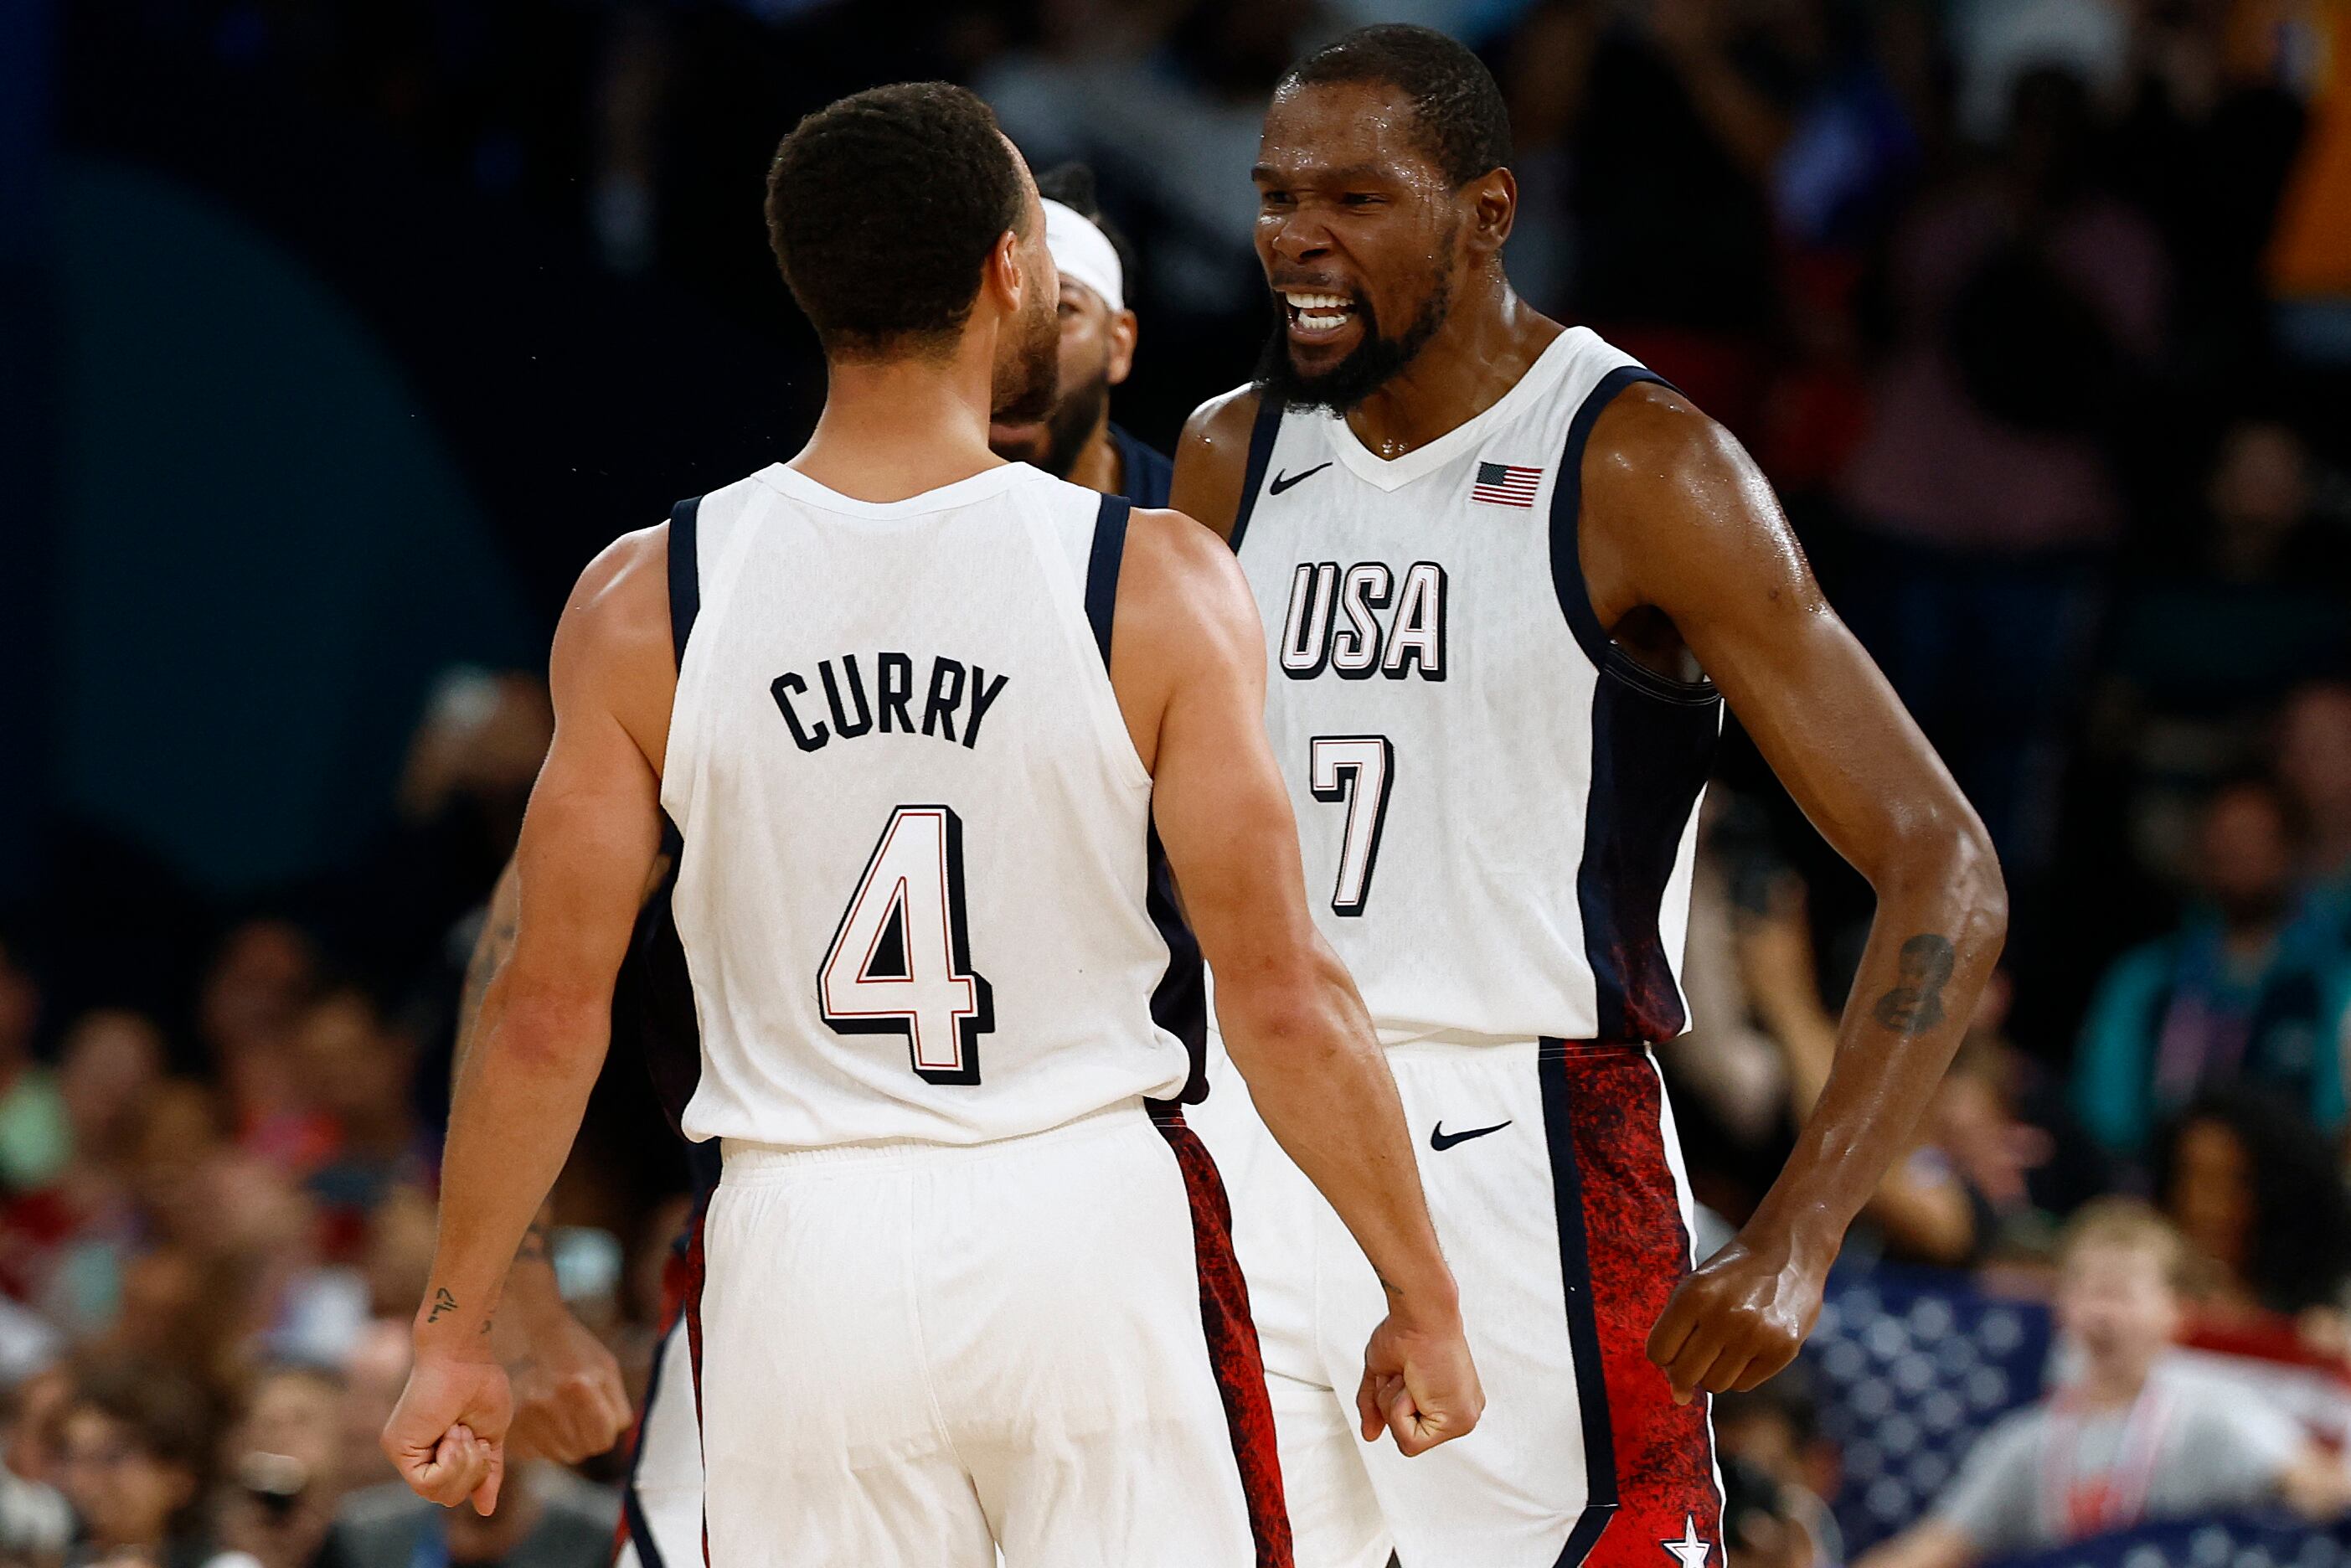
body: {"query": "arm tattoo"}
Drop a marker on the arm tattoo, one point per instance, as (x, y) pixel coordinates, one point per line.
(1916, 1002)
(443, 1302)
(491, 949)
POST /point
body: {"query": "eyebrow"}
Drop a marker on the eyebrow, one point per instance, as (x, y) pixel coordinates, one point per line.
(1352, 175)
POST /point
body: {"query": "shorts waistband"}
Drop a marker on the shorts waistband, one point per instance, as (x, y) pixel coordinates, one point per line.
(747, 1161)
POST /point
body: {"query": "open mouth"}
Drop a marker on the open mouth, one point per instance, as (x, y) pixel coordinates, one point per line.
(1317, 318)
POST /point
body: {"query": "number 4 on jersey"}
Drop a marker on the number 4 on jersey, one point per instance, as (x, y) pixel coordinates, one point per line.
(901, 962)
(1356, 768)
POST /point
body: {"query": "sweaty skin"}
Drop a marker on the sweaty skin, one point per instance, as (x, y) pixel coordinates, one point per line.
(1692, 567)
(1188, 669)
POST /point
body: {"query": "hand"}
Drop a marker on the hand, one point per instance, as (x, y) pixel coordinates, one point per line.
(1418, 1382)
(447, 1434)
(1739, 1320)
(569, 1401)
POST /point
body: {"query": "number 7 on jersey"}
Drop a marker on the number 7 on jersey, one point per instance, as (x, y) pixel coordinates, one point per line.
(1356, 768)
(901, 962)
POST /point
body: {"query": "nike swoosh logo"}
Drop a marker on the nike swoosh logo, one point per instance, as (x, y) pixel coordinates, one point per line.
(1284, 481)
(1440, 1140)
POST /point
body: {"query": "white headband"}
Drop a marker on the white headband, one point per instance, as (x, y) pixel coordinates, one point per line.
(1083, 254)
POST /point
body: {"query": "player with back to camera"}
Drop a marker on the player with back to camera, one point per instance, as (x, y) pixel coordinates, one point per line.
(569, 1402)
(911, 710)
(1492, 555)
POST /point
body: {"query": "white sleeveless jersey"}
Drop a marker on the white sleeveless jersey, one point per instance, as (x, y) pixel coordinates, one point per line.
(911, 890)
(1498, 805)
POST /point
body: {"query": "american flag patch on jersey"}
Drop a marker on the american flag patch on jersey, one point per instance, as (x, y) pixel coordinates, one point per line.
(1505, 485)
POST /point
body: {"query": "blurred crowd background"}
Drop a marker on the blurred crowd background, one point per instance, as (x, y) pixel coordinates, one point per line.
(335, 338)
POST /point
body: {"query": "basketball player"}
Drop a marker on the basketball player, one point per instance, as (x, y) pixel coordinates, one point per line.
(962, 1289)
(568, 1404)
(1492, 555)
(1079, 441)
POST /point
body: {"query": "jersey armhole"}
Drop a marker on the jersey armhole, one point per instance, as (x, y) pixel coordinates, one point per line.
(1103, 563)
(1260, 454)
(1567, 560)
(685, 574)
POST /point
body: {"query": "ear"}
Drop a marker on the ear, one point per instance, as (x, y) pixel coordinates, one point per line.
(1003, 279)
(1121, 346)
(1493, 200)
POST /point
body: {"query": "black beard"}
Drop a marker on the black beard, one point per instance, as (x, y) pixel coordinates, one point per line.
(1026, 389)
(1369, 366)
(1072, 424)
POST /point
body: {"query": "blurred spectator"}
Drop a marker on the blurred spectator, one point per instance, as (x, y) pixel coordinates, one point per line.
(373, 1373)
(2238, 993)
(546, 1518)
(2314, 767)
(2255, 1192)
(2028, 302)
(1774, 1430)
(34, 1138)
(1763, 1526)
(36, 1523)
(284, 1460)
(137, 1461)
(2125, 1440)
(358, 1072)
(251, 999)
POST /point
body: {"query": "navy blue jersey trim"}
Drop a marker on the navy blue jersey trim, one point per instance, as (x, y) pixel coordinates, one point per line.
(1102, 568)
(1649, 761)
(685, 574)
(632, 1508)
(1146, 470)
(1260, 452)
(1582, 1322)
(1567, 561)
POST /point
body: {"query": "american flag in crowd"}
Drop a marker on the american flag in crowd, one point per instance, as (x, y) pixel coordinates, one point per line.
(1505, 485)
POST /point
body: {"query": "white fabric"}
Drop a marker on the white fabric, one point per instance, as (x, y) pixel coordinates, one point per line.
(976, 592)
(667, 1475)
(1509, 1494)
(912, 1353)
(1472, 924)
(1083, 254)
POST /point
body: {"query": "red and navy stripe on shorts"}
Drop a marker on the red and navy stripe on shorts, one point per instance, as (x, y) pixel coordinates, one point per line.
(682, 1278)
(1233, 1353)
(1649, 1462)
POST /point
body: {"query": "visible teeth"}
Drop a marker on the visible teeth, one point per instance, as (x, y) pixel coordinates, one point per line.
(1322, 323)
(1339, 302)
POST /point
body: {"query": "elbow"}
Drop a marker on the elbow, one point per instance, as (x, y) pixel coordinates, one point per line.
(1982, 886)
(1951, 866)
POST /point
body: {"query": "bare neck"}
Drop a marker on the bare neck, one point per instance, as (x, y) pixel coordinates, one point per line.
(1489, 339)
(895, 428)
(1099, 465)
(2111, 1388)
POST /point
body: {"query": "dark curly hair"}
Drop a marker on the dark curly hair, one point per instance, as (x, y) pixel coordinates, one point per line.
(2298, 1254)
(881, 208)
(1464, 124)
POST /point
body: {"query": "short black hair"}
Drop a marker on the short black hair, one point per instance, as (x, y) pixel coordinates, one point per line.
(1464, 123)
(1072, 186)
(881, 209)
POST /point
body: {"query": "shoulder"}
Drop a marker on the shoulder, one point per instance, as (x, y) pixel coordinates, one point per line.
(1650, 436)
(622, 598)
(1212, 458)
(1223, 422)
(1180, 580)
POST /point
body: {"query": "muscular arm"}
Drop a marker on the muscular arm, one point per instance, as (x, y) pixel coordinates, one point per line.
(1188, 661)
(1677, 520)
(588, 840)
(569, 1400)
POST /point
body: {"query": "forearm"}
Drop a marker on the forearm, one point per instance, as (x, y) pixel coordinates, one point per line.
(1314, 1068)
(517, 1108)
(1938, 933)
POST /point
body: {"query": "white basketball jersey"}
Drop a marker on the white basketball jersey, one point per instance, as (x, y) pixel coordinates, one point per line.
(1498, 805)
(911, 890)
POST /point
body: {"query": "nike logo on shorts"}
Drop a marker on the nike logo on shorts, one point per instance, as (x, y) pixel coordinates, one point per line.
(1440, 1140)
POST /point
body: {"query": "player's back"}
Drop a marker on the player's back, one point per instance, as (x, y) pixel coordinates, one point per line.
(912, 890)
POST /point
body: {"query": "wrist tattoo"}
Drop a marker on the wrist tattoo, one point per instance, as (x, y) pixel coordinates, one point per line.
(1915, 1004)
(443, 1302)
